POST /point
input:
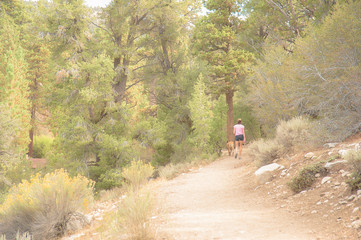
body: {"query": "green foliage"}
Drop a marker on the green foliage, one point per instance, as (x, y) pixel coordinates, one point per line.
(42, 145)
(218, 123)
(107, 179)
(354, 159)
(13, 165)
(306, 177)
(200, 112)
(244, 111)
(43, 206)
(316, 80)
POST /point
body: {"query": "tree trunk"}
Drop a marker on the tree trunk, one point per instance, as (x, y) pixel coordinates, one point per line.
(121, 78)
(230, 121)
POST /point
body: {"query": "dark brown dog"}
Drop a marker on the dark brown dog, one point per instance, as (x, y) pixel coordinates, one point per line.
(230, 148)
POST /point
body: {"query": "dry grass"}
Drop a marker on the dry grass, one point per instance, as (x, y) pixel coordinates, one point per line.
(171, 171)
(134, 215)
(24, 236)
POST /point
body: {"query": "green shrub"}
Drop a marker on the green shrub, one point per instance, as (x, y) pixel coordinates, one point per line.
(306, 177)
(163, 153)
(263, 151)
(42, 145)
(110, 179)
(354, 159)
(44, 206)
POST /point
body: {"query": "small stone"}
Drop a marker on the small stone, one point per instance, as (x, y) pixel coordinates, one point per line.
(344, 174)
(342, 202)
(319, 203)
(356, 224)
(343, 152)
(352, 197)
(337, 184)
(329, 145)
(330, 165)
(314, 212)
(358, 192)
(309, 155)
(358, 147)
(325, 179)
(325, 216)
(326, 201)
(317, 175)
(356, 209)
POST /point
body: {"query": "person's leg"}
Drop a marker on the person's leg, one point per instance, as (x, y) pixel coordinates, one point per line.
(238, 144)
(240, 148)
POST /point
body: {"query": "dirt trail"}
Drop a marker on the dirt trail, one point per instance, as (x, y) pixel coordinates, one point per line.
(218, 202)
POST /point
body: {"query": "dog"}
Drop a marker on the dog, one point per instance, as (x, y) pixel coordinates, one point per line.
(230, 148)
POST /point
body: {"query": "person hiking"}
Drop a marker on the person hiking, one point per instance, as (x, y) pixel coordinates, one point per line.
(240, 137)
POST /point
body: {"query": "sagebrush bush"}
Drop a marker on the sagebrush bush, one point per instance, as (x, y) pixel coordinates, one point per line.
(137, 173)
(42, 145)
(263, 151)
(44, 205)
(354, 159)
(306, 177)
(295, 134)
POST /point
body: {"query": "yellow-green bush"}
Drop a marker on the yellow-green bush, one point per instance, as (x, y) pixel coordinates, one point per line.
(137, 173)
(306, 177)
(44, 205)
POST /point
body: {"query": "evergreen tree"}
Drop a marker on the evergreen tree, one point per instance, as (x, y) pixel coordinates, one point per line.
(200, 107)
(216, 41)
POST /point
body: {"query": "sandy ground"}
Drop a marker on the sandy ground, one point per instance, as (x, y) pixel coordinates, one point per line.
(218, 202)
